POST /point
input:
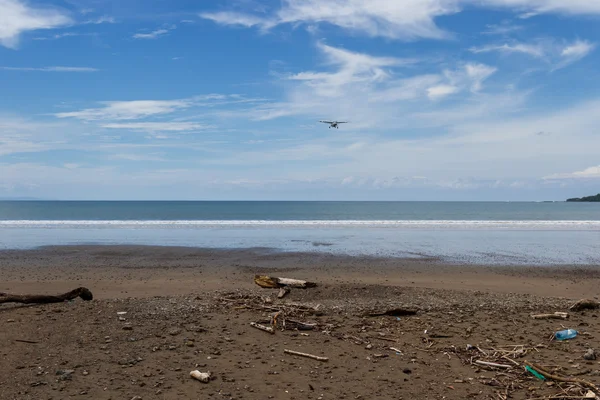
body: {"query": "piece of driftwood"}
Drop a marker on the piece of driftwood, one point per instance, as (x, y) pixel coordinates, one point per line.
(82, 292)
(556, 315)
(269, 282)
(585, 304)
(283, 292)
(393, 312)
(301, 326)
(203, 377)
(297, 353)
(557, 378)
(263, 328)
(491, 364)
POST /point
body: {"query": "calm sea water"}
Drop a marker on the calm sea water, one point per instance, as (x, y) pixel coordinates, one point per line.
(481, 232)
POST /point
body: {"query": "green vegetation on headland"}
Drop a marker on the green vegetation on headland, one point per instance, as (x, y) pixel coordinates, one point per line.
(595, 198)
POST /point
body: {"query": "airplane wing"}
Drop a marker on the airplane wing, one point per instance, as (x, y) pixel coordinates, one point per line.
(342, 122)
(327, 122)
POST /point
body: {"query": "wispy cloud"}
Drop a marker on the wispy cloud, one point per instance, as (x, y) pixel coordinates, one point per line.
(126, 110)
(588, 173)
(529, 49)
(138, 109)
(575, 52)
(407, 19)
(502, 29)
(558, 54)
(101, 20)
(399, 20)
(17, 17)
(151, 35)
(51, 69)
(158, 126)
(64, 35)
(371, 90)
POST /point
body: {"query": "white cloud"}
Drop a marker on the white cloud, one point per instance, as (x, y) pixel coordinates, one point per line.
(233, 18)
(551, 51)
(126, 110)
(157, 126)
(101, 20)
(503, 29)
(588, 173)
(17, 17)
(51, 69)
(549, 6)
(406, 19)
(532, 50)
(440, 91)
(152, 35)
(369, 90)
(575, 52)
(478, 73)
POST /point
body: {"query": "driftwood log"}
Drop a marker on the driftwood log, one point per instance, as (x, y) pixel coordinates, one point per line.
(82, 292)
(269, 282)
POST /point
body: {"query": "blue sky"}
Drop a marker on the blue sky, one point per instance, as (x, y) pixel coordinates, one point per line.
(182, 99)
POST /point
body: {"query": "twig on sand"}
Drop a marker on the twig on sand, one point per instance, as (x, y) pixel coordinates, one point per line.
(556, 315)
(491, 364)
(297, 353)
(26, 341)
(263, 328)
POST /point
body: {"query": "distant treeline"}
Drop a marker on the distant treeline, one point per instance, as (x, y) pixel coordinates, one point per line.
(595, 198)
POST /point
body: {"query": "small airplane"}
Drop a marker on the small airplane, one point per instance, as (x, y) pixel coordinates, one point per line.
(334, 124)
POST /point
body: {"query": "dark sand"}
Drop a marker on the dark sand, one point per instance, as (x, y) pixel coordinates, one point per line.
(191, 307)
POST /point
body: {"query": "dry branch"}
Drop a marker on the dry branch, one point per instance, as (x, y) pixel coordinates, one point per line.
(556, 315)
(263, 328)
(282, 292)
(268, 282)
(491, 364)
(82, 292)
(297, 353)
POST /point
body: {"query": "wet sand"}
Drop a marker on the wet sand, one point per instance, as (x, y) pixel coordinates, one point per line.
(190, 309)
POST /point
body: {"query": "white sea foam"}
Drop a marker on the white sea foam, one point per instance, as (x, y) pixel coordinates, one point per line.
(405, 224)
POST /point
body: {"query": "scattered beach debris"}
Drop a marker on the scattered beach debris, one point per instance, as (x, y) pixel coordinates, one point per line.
(201, 376)
(556, 315)
(585, 304)
(557, 378)
(297, 353)
(566, 334)
(590, 355)
(82, 292)
(263, 328)
(268, 282)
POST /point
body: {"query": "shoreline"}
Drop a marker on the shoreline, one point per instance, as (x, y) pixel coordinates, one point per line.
(118, 271)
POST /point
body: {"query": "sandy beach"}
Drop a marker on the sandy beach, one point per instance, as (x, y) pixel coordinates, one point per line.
(190, 309)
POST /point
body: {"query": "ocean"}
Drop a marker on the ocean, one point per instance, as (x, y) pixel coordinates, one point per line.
(547, 233)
